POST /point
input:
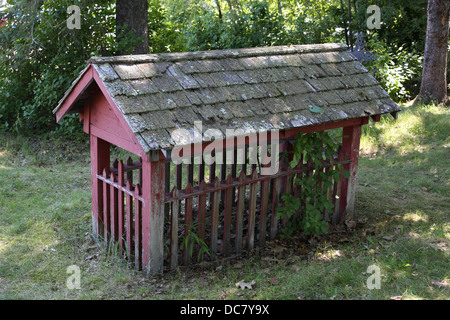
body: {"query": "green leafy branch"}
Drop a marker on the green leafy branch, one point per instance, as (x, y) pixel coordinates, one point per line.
(314, 149)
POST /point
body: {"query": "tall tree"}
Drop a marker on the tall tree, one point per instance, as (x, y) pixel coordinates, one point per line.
(434, 74)
(132, 16)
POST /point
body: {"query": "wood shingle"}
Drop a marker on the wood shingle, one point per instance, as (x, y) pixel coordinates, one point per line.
(257, 88)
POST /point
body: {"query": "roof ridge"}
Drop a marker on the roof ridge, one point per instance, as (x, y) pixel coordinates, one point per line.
(221, 54)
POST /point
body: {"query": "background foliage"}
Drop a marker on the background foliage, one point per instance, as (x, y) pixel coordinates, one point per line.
(40, 56)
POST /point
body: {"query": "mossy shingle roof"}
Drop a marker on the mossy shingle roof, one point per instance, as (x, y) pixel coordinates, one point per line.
(251, 89)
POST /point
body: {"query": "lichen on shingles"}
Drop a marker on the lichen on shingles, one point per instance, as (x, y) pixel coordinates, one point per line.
(255, 89)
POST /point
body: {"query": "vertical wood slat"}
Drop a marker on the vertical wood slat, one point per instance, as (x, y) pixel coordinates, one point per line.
(350, 151)
(153, 213)
(240, 212)
(129, 162)
(179, 176)
(287, 190)
(114, 210)
(244, 164)
(202, 212)
(228, 203)
(138, 229)
(166, 186)
(233, 173)
(336, 200)
(140, 173)
(214, 218)
(223, 172)
(106, 206)
(190, 171)
(263, 216)
(129, 221)
(120, 207)
(100, 158)
(275, 204)
(212, 172)
(174, 229)
(187, 225)
(201, 170)
(252, 212)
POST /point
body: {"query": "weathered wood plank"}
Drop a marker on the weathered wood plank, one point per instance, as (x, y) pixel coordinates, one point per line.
(100, 158)
(350, 151)
(228, 203)
(174, 230)
(153, 213)
(138, 229)
(202, 211)
(263, 214)
(129, 221)
(114, 211)
(187, 226)
(120, 208)
(215, 219)
(240, 212)
(275, 204)
(106, 207)
(129, 162)
(252, 213)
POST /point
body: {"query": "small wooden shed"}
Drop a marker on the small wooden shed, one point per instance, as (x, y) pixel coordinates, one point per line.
(137, 102)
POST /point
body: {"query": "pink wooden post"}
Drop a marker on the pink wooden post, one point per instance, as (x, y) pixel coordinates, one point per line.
(153, 173)
(350, 151)
(99, 160)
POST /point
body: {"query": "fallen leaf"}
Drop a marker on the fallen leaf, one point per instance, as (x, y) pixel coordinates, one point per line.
(223, 294)
(273, 281)
(439, 246)
(441, 284)
(388, 238)
(245, 285)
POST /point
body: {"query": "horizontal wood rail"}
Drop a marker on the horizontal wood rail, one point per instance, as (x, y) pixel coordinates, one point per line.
(237, 182)
(122, 188)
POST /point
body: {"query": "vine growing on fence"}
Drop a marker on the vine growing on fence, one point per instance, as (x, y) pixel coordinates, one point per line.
(305, 211)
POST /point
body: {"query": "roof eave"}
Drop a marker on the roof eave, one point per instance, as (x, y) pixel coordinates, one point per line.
(74, 93)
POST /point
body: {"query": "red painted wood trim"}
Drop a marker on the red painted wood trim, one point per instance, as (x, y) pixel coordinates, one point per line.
(350, 151)
(83, 83)
(153, 215)
(118, 141)
(99, 160)
(119, 116)
(257, 138)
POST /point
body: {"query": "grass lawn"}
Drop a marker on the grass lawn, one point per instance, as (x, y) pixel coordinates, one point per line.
(401, 228)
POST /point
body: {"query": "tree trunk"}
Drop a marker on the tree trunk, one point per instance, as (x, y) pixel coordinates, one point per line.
(434, 74)
(133, 16)
(219, 9)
